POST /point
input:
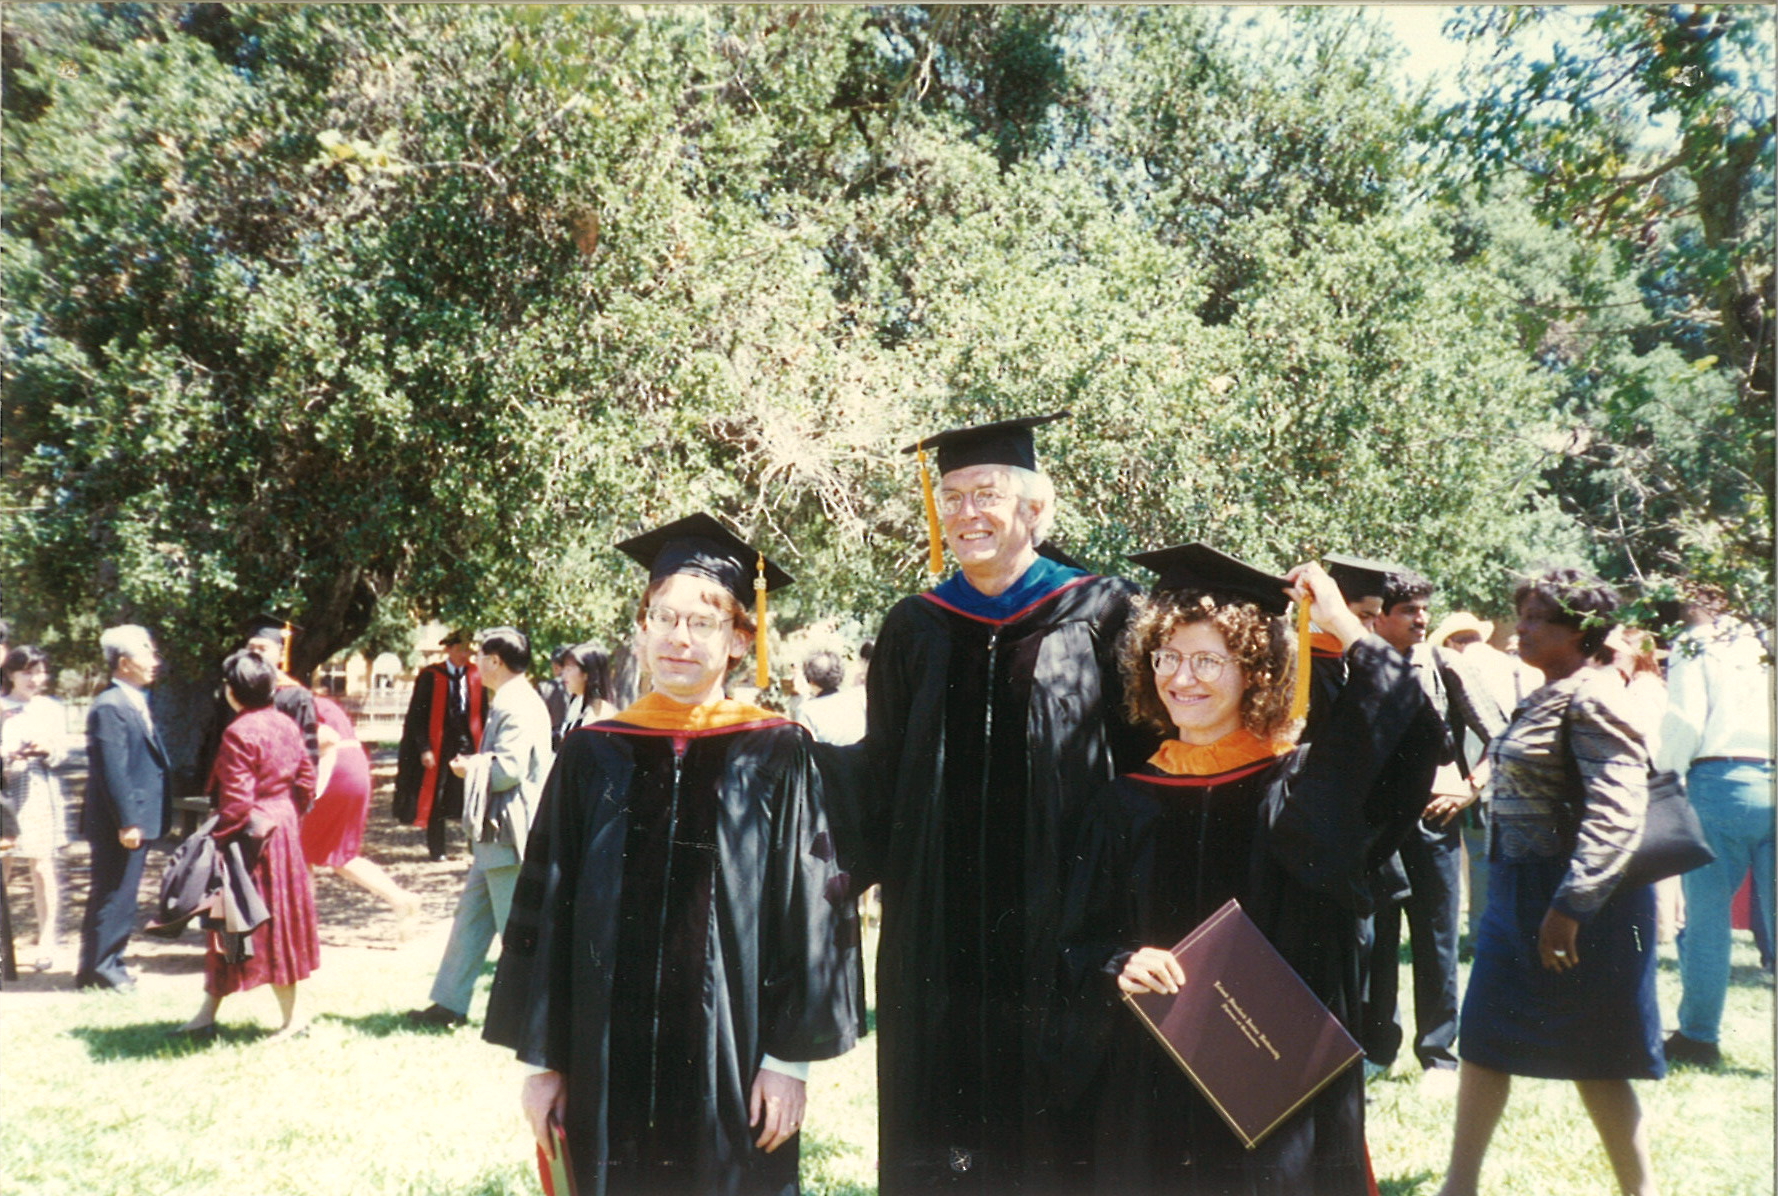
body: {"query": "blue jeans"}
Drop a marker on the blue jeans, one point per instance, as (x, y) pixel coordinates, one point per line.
(1734, 804)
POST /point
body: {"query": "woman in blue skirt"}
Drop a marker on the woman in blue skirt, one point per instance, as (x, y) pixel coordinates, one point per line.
(1564, 980)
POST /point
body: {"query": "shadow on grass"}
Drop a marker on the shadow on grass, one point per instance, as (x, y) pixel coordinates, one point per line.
(392, 1022)
(148, 1040)
(1727, 1071)
(1404, 1185)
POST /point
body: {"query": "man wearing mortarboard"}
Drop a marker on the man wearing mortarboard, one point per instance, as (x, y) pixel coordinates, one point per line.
(994, 711)
(1374, 589)
(444, 720)
(682, 940)
(270, 638)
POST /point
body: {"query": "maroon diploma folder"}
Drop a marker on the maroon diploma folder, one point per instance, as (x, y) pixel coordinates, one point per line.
(1245, 1027)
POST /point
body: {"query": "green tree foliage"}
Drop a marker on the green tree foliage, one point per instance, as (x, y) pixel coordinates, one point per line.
(1643, 138)
(375, 312)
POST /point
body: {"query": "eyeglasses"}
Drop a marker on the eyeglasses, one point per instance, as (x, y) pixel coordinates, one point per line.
(1206, 666)
(662, 619)
(950, 502)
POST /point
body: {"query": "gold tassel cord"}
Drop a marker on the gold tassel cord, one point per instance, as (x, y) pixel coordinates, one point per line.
(762, 676)
(1299, 700)
(935, 541)
(284, 663)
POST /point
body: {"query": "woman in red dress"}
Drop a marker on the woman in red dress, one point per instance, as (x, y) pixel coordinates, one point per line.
(333, 832)
(262, 781)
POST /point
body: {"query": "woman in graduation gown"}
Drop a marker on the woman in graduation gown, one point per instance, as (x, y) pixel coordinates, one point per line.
(1230, 809)
(682, 941)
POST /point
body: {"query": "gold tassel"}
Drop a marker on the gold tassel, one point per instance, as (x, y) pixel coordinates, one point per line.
(762, 676)
(935, 541)
(284, 661)
(1299, 701)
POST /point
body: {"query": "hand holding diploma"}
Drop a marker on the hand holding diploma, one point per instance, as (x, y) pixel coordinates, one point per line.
(1151, 970)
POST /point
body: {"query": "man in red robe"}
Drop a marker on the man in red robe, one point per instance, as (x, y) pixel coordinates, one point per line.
(444, 721)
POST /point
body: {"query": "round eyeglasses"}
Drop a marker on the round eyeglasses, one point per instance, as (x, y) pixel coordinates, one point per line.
(950, 502)
(1206, 666)
(662, 619)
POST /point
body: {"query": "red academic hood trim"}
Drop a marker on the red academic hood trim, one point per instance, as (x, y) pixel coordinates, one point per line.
(1017, 614)
(1220, 778)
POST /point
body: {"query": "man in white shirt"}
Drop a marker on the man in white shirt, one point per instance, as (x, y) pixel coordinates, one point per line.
(1718, 735)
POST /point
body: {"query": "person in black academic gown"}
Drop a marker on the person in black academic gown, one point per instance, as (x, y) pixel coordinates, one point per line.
(1230, 809)
(1396, 805)
(269, 638)
(992, 717)
(444, 720)
(682, 940)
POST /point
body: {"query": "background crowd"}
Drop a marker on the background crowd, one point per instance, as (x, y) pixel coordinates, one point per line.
(606, 264)
(1329, 831)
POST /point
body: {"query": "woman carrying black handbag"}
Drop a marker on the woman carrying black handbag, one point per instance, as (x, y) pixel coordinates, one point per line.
(1563, 985)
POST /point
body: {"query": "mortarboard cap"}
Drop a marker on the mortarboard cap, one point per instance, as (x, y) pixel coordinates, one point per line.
(268, 627)
(1358, 577)
(1006, 442)
(700, 546)
(1201, 567)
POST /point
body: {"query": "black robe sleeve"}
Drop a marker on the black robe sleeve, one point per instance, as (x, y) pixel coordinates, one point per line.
(298, 704)
(811, 982)
(863, 800)
(531, 1008)
(1353, 787)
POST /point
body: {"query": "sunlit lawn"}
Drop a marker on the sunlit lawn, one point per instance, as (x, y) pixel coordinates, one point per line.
(96, 1100)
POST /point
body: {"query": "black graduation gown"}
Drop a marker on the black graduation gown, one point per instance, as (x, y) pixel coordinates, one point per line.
(1287, 837)
(293, 701)
(986, 739)
(1399, 796)
(680, 914)
(416, 738)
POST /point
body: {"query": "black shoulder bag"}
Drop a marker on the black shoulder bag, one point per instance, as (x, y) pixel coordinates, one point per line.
(1672, 837)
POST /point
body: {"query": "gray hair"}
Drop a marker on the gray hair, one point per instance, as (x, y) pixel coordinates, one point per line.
(126, 639)
(1038, 494)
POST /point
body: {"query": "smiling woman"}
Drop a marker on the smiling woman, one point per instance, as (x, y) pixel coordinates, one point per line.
(1229, 808)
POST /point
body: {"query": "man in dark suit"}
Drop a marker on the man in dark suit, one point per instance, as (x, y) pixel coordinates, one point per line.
(127, 804)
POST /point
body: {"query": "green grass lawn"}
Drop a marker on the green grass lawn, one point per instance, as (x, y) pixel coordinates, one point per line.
(96, 1100)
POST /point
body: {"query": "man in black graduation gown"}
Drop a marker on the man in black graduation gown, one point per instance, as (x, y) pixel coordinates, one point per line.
(269, 638)
(1394, 808)
(444, 720)
(682, 941)
(994, 713)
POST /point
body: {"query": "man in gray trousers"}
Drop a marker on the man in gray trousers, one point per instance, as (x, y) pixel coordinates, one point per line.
(502, 784)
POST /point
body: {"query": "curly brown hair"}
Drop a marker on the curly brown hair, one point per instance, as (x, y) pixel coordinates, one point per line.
(1261, 644)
